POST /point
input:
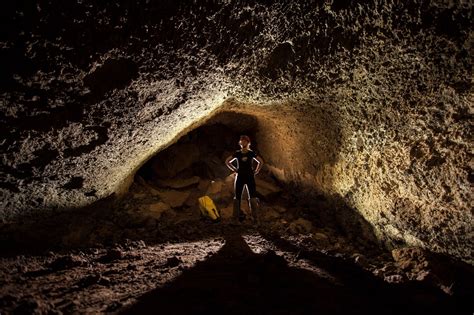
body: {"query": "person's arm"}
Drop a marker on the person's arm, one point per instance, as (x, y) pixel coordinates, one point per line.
(229, 164)
(259, 164)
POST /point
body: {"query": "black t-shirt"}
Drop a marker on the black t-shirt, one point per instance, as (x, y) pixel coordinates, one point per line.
(245, 162)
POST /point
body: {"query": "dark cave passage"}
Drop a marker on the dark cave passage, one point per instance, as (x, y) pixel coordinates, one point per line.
(201, 151)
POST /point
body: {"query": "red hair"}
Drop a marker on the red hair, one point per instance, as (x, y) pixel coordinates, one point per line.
(244, 137)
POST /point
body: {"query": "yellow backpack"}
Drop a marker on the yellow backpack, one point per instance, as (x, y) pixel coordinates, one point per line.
(208, 208)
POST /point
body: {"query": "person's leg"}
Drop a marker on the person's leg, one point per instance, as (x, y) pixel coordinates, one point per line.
(238, 188)
(252, 189)
(253, 200)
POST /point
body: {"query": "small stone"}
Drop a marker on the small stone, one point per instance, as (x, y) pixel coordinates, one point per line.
(280, 209)
(387, 269)
(139, 195)
(300, 225)
(270, 214)
(214, 188)
(319, 236)
(394, 279)
(360, 260)
(67, 262)
(226, 213)
(174, 198)
(411, 258)
(423, 276)
(111, 255)
(156, 210)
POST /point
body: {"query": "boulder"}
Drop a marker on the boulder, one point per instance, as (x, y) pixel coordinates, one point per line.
(436, 269)
(140, 180)
(319, 237)
(174, 198)
(300, 226)
(228, 184)
(192, 200)
(169, 215)
(227, 190)
(167, 164)
(361, 260)
(156, 210)
(178, 183)
(67, 262)
(112, 255)
(216, 167)
(214, 188)
(279, 209)
(270, 214)
(266, 189)
(203, 185)
(147, 185)
(226, 213)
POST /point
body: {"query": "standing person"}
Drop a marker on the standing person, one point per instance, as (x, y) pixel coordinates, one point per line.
(244, 176)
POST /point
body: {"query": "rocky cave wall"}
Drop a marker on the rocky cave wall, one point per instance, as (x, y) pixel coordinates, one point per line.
(371, 102)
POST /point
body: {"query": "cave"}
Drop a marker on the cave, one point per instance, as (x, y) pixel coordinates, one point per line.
(117, 119)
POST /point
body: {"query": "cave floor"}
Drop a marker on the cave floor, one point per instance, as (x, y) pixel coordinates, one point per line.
(135, 255)
(205, 267)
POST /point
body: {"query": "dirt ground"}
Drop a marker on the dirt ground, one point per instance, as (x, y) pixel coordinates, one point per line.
(185, 263)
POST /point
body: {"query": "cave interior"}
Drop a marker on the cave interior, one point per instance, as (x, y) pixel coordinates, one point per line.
(118, 117)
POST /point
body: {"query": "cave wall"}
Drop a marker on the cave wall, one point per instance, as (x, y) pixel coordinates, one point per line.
(408, 196)
(375, 99)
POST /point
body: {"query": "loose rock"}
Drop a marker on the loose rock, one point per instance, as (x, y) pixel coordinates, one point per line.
(300, 225)
(67, 262)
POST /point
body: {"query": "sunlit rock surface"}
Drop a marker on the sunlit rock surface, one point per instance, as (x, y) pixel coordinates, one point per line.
(367, 102)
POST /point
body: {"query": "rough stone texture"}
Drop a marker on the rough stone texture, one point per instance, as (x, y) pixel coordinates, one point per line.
(369, 103)
(177, 183)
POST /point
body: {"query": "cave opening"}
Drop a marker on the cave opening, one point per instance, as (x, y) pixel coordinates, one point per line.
(201, 151)
(192, 167)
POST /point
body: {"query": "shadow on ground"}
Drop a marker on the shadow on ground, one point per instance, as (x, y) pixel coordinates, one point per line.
(238, 281)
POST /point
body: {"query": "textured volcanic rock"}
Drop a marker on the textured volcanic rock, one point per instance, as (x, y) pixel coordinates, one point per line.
(367, 102)
(114, 73)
